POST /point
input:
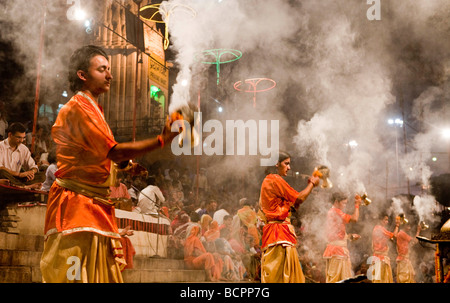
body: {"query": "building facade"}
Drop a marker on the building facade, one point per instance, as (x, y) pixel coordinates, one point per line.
(137, 103)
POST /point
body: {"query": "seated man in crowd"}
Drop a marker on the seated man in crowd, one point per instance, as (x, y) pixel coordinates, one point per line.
(50, 171)
(150, 198)
(16, 163)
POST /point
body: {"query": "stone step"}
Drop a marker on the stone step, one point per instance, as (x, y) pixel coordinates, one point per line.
(21, 242)
(160, 270)
(143, 262)
(20, 274)
(30, 273)
(19, 257)
(163, 275)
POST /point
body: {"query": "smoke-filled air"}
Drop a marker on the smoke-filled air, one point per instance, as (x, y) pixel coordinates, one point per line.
(340, 78)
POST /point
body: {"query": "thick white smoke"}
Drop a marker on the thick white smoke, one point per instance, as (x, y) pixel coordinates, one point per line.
(350, 75)
(339, 78)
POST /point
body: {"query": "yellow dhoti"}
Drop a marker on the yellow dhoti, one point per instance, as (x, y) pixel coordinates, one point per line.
(405, 271)
(280, 264)
(84, 257)
(338, 269)
(382, 271)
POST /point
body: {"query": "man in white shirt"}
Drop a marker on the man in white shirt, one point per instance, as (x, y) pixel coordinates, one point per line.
(16, 163)
(150, 198)
(221, 213)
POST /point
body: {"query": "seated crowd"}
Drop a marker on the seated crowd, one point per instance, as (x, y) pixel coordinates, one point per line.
(220, 236)
(213, 225)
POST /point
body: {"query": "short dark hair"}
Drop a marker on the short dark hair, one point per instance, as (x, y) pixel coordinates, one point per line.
(17, 127)
(80, 60)
(51, 158)
(226, 217)
(282, 155)
(338, 196)
(382, 215)
(195, 217)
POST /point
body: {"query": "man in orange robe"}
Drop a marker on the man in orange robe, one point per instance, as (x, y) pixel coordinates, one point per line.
(280, 263)
(382, 263)
(405, 269)
(82, 241)
(336, 254)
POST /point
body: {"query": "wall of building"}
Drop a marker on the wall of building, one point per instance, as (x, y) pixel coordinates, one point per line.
(129, 97)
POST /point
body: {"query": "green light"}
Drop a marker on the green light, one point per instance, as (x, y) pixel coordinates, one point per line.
(217, 56)
(154, 92)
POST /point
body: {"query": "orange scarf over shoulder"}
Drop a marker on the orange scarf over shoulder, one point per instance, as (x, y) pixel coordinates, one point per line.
(83, 140)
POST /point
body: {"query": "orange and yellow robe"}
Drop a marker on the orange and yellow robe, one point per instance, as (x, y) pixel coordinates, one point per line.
(383, 270)
(405, 269)
(279, 263)
(78, 227)
(336, 254)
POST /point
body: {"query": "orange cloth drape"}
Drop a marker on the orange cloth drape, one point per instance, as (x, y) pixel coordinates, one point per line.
(249, 218)
(335, 231)
(83, 140)
(380, 238)
(403, 240)
(205, 220)
(196, 256)
(279, 263)
(276, 199)
(213, 232)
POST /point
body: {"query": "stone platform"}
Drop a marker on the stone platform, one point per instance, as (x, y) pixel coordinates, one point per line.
(21, 249)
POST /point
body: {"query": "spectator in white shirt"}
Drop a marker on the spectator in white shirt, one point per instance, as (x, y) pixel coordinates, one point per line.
(221, 213)
(16, 163)
(150, 198)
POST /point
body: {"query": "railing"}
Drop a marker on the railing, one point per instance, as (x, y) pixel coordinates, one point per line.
(145, 127)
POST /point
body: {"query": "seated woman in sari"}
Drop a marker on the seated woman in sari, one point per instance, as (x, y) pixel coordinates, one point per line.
(196, 256)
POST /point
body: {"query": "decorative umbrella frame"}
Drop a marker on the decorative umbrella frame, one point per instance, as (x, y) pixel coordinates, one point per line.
(253, 83)
(217, 55)
(160, 13)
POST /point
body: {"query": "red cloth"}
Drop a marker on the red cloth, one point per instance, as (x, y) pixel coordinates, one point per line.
(120, 191)
(380, 238)
(128, 251)
(335, 231)
(403, 240)
(276, 199)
